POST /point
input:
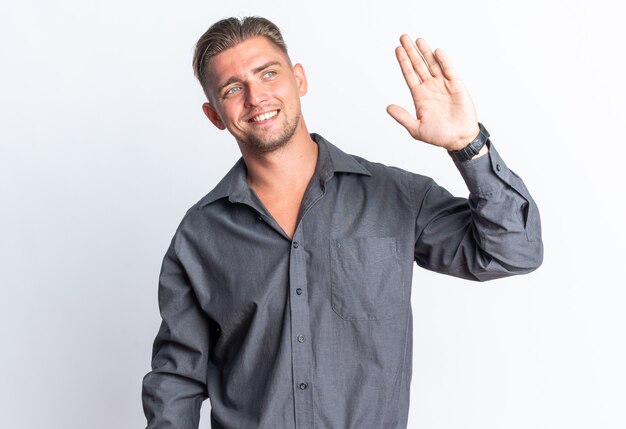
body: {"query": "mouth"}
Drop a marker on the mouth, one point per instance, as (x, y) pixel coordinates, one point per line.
(264, 117)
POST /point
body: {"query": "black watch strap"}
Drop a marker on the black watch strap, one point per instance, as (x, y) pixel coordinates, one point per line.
(472, 149)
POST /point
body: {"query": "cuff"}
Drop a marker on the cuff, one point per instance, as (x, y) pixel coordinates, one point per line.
(486, 174)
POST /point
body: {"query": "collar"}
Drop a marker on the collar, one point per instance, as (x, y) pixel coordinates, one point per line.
(330, 160)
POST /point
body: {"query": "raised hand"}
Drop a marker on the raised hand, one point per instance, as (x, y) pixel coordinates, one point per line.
(444, 112)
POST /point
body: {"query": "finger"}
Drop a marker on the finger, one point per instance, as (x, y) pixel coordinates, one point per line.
(417, 60)
(405, 119)
(411, 78)
(446, 66)
(428, 55)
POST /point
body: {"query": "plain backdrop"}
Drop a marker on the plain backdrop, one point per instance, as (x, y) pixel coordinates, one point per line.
(103, 147)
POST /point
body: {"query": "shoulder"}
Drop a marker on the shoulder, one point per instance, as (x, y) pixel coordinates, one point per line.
(382, 173)
(196, 222)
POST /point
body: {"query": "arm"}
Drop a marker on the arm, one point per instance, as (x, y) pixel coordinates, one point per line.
(497, 232)
(175, 388)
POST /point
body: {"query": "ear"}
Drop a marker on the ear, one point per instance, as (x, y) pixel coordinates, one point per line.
(298, 72)
(213, 116)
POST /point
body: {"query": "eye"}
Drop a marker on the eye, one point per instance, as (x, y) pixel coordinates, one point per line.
(269, 74)
(232, 90)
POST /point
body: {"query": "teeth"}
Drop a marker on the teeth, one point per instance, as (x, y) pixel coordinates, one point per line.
(265, 116)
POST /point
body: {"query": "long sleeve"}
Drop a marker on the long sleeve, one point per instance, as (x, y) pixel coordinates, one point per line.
(495, 233)
(175, 388)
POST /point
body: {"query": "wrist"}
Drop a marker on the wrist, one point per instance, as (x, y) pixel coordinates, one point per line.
(462, 142)
(474, 149)
(481, 152)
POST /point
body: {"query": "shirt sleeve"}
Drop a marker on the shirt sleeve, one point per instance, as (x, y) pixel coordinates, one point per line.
(175, 388)
(494, 233)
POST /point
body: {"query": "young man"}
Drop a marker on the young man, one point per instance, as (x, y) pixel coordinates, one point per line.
(285, 293)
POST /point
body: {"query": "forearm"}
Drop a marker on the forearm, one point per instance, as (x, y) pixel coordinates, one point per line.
(171, 401)
(495, 233)
(505, 217)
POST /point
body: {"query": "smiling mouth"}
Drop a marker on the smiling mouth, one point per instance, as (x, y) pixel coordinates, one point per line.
(264, 116)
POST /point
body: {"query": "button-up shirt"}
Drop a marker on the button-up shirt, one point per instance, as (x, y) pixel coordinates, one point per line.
(314, 331)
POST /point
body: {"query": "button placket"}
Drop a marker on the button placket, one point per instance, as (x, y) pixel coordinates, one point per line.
(300, 350)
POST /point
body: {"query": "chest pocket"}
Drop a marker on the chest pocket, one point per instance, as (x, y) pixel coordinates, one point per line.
(366, 279)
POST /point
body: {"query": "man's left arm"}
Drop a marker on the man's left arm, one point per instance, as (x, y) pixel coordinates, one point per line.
(497, 232)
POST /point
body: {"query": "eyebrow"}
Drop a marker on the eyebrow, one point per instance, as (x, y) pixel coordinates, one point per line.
(256, 70)
(266, 65)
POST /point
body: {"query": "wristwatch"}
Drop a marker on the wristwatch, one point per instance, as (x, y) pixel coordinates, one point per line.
(473, 148)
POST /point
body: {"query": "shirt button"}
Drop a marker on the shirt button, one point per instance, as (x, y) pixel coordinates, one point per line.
(301, 338)
(498, 167)
(299, 291)
(303, 386)
(296, 244)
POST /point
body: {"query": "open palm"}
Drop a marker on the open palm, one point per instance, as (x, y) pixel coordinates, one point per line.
(444, 112)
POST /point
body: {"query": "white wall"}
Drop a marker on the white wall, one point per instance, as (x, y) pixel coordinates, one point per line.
(103, 147)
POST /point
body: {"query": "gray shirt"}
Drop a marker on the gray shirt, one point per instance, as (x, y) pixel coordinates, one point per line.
(315, 331)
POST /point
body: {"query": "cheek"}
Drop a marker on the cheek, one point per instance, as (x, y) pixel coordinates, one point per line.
(288, 94)
(230, 112)
(286, 87)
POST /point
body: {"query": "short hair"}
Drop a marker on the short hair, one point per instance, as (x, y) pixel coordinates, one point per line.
(228, 33)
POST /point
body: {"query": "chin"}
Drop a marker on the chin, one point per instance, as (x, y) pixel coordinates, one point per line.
(266, 146)
(271, 143)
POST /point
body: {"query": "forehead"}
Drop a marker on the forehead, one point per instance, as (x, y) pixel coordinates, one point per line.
(243, 58)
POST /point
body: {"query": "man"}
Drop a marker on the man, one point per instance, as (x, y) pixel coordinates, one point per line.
(285, 291)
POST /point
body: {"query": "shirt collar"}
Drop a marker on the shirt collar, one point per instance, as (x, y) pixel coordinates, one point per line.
(330, 160)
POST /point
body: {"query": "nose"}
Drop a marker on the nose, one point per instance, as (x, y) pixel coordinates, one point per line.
(255, 94)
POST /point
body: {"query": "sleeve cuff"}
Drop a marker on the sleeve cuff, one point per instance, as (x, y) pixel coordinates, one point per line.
(486, 174)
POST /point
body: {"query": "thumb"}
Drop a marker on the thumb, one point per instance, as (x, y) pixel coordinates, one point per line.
(405, 119)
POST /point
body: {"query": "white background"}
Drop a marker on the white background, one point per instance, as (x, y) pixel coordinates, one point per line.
(104, 147)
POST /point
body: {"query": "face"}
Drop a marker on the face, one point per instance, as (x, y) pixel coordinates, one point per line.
(254, 92)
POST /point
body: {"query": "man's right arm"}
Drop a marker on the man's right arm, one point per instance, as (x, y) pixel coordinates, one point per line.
(175, 388)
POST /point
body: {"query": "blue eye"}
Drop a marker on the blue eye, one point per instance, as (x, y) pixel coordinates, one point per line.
(270, 73)
(232, 90)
